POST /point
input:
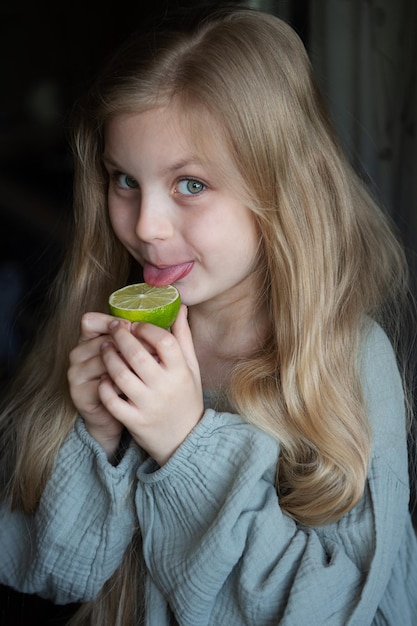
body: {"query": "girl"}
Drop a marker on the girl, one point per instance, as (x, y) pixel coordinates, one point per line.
(249, 467)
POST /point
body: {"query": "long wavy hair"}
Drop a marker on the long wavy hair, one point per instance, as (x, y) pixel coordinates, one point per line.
(329, 261)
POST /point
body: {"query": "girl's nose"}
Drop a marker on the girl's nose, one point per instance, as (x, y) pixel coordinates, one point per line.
(155, 220)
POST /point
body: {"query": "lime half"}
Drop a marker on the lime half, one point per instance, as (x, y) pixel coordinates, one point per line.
(144, 303)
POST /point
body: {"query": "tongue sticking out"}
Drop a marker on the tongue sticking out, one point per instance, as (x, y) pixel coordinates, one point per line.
(166, 275)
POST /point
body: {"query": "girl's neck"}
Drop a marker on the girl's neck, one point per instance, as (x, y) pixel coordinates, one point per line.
(223, 337)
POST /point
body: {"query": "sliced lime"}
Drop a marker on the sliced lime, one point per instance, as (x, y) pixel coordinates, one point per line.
(144, 303)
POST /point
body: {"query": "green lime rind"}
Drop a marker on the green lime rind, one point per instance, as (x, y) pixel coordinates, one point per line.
(144, 303)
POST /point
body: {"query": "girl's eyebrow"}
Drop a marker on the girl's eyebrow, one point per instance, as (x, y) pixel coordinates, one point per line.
(177, 165)
(182, 164)
(109, 161)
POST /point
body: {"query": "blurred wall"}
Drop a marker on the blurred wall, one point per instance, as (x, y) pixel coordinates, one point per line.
(365, 58)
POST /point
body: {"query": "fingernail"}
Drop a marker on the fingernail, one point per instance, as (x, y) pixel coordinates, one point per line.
(114, 324)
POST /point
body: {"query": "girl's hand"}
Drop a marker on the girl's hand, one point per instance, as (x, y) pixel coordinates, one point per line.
(158, 374)
(84, 374)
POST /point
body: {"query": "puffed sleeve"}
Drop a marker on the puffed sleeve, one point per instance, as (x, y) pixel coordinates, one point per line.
(219, 549)
(77, 537)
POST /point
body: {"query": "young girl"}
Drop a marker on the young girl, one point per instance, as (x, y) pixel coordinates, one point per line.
(250, 466)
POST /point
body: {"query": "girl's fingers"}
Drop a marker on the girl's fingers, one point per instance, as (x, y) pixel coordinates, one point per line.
(129, 370)
(170, 348)
(141, 354)
(95, 324)
(85, 363)
(90, 370)
(182, 332)
(126, 407)
(94, 332)
(110, 397)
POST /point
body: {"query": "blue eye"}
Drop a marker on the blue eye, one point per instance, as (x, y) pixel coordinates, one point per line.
(190, 186)
(126, 182)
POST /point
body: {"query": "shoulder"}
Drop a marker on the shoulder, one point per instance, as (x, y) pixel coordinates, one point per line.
(375, 342)
(384, 398)
(378, 364)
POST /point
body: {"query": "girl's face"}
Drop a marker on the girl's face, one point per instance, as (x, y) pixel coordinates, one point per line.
(176, 217)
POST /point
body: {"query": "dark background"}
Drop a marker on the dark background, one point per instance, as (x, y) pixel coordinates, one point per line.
(49, 52)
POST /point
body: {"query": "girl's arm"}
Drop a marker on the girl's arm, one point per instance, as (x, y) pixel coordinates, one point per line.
(220, 550)
(85, 520)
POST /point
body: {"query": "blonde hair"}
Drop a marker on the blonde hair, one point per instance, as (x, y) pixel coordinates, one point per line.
(329, 259)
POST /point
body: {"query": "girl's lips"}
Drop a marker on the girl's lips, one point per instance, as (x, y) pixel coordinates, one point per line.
(159, 276)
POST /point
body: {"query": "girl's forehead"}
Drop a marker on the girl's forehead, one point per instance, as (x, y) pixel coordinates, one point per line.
(197, 133)
(196, 125)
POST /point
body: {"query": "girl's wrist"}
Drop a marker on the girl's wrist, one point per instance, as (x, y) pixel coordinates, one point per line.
(110, 443)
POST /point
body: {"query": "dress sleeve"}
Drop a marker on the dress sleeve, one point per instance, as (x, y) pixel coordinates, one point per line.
(85, 520)
(219, 549)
